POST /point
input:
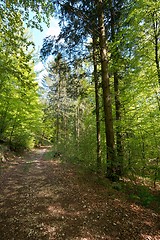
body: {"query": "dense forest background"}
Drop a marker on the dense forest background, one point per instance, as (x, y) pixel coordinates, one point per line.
(100, 106)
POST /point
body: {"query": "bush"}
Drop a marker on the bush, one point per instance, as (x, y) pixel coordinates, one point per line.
(21, 142)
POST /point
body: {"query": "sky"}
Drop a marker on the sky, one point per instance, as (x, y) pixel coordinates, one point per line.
(37, 37)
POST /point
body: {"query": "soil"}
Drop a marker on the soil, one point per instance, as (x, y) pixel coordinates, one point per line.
(44, 198)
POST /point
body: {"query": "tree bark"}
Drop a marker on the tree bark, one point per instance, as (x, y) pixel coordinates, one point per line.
(96, 82)
(156, 38)
(116, 91)
(156, 50)
(110, 143)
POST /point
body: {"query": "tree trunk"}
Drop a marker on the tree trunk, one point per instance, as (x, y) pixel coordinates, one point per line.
(110, 144)
(3, 119)
(58, 108)
(118, 128)
(116, 91)
(13, 128)
(156, 38)
(97, 105)
(156, 50)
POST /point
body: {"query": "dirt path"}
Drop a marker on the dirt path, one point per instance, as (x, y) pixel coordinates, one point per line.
(47, 199)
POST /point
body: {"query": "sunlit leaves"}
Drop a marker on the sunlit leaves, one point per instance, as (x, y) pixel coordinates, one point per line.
(42, 10)
(20, 111)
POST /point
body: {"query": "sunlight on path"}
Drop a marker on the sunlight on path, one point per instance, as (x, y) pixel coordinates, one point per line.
(48, 200)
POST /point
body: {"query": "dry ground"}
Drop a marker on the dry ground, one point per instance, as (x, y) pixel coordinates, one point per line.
(51, 200)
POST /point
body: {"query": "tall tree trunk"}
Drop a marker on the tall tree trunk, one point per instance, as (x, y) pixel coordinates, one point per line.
(96, 82)
(110, 144)
(13, 128)
(156, 39)
(58, 108)
(116, 91)
(118, 128)
(156, 50)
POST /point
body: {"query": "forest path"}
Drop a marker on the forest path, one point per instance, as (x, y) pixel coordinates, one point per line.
(48, 199)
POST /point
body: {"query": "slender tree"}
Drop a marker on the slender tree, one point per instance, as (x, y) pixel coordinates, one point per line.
(97, 100)
(110, 142)
(115, 17)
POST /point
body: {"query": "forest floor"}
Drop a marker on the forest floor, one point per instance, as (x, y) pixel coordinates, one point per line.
(44, 198)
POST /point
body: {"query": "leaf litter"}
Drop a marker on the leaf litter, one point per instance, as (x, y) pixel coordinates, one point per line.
(52, 200)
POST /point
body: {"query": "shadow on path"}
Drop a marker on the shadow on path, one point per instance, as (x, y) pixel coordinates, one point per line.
(47, 199)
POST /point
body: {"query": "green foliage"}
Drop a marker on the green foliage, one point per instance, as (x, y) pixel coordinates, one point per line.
(49, 155)
(20, 110)
(140, 123)
(143, 195)
(21, 141)
(68, 118)
(41, 11)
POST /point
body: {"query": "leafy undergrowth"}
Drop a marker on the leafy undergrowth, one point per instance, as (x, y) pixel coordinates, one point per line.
(140, 194)
(150, 199)
(44, 198)
(137, 189)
